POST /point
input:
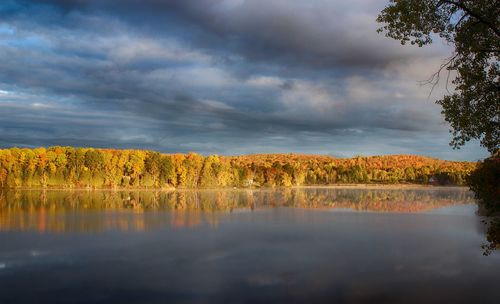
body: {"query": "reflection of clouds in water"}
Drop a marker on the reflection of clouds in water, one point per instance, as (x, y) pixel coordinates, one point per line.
(215, 256)
(265, 280)
(270, 255)
(24, 258)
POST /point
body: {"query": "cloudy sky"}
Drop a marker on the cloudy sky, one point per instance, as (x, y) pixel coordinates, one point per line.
(217, 76)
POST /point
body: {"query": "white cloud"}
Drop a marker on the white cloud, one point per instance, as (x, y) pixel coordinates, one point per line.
(264, 81)
(216, 104)
(126, 49)
(304, 95)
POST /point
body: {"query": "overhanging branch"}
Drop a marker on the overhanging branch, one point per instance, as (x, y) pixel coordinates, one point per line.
(473, 14)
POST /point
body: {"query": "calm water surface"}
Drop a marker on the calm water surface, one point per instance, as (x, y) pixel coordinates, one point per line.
(314, 245)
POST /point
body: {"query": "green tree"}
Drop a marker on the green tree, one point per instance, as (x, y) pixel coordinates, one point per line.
(94, 160)
(210, 171)
(152, 166)
(473, 28)
(167, 171)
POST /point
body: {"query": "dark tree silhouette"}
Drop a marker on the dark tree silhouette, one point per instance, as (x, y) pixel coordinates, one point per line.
(473, 28)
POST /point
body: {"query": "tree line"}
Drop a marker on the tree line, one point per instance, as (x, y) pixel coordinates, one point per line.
(68, 167)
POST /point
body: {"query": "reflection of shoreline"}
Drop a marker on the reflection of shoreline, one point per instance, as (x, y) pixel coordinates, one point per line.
(63, 211)
(492, 226)
(52, 221)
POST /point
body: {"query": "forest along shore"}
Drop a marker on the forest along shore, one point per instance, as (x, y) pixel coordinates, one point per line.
(374, 186)
(89, 168)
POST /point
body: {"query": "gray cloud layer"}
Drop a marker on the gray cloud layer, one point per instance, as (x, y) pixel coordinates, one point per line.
(212, 76)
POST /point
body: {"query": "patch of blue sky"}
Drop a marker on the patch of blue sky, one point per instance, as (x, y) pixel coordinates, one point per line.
(6, 30)
(36, 43)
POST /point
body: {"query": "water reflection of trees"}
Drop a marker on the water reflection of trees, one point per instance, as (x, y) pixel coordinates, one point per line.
(62, 211)
(492, 236)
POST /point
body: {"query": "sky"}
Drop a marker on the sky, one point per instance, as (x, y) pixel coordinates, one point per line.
(224, 77)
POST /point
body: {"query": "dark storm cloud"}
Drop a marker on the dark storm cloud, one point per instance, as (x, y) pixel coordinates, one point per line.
(315, 33)
(212, 76)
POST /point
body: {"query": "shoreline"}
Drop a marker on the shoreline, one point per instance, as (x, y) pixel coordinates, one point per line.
(334, 186)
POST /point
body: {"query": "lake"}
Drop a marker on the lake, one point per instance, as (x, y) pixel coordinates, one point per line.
(299, 245)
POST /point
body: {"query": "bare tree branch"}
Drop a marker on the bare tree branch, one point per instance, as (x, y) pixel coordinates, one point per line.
(434, 79)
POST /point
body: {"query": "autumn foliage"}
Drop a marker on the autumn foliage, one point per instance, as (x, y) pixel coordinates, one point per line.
(67, 167)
